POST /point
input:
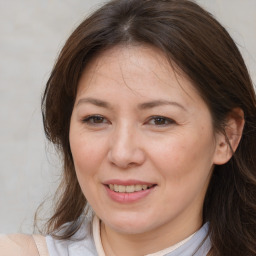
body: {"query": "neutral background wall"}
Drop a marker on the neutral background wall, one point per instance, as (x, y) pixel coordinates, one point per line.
(31, 34)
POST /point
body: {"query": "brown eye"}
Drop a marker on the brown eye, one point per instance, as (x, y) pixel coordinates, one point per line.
(160, 121)
(95, 119)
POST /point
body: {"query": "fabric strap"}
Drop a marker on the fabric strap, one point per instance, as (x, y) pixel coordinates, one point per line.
(41, 245)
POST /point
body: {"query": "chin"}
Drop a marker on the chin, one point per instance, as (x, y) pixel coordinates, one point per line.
(128, 224)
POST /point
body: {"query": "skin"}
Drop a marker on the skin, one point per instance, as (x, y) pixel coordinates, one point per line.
(177, 151)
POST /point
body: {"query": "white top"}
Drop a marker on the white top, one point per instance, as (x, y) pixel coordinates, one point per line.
(100, 250)
(87, 241)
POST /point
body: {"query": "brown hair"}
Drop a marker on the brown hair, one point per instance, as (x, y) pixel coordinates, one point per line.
(192, 39)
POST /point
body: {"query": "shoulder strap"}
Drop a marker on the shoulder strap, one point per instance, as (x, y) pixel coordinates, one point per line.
(41, 245)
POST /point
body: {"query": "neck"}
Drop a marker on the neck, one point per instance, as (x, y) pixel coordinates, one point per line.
(116, 243)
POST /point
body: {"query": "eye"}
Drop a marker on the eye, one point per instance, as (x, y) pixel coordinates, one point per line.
(160, 121)
(95, 120)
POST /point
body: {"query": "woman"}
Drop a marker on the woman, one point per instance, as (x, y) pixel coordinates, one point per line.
(153, 109)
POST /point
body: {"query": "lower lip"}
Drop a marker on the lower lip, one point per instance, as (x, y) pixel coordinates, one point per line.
(128, 197)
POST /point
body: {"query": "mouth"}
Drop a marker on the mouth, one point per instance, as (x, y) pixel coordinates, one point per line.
(130, 188)
(128, 191)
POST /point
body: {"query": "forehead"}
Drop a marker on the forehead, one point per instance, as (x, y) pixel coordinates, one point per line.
(138, 69)
(123, 60)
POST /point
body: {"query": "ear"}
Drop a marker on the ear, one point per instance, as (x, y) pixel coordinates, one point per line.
(231, 137)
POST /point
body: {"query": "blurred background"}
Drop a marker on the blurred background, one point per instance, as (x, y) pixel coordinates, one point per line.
(32, 33)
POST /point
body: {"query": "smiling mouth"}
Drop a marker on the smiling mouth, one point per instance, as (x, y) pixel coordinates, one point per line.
(129, 189)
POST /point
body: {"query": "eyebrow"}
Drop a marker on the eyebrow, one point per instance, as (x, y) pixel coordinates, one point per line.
(96, 102)
(142, 106)
(157, 103)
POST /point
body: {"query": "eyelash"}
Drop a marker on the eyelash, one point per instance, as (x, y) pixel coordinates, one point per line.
(90, 120)
(167, 121)
(99, 120)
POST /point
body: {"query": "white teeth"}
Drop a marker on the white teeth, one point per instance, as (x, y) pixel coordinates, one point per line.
(128, 189)
(138, 187)
(121, 188)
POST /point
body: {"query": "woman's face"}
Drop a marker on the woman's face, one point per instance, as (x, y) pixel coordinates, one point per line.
(142, 142)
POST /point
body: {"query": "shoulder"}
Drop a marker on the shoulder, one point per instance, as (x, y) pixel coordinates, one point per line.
(17, 244)
(81, 243)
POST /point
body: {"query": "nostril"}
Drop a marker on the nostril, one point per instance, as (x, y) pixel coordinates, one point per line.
(131, 164)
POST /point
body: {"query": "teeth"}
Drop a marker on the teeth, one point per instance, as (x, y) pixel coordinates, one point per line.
(121, 189)
(138, 187)
(128, 189)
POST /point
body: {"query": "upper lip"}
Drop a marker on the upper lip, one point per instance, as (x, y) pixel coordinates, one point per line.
(127, 182)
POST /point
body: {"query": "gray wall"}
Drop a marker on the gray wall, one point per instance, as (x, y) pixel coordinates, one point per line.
(31, 34)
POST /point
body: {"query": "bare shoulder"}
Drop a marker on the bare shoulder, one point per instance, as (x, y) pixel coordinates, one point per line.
(17, 244)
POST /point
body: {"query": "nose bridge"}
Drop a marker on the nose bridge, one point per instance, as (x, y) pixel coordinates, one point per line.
(124, 146)
(123, 134)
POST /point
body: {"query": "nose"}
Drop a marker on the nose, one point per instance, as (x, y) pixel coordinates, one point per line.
(125, 148)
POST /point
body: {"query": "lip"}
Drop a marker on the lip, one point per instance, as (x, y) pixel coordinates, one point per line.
(127, 182)
(126, 198)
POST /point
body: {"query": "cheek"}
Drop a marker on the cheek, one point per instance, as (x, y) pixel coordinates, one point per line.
(86, 153)
(87, 157)
(185, 168)
(185, 157)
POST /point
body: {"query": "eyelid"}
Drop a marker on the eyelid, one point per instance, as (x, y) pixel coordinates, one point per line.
(90, 120)
(87, 119)
(169, 120)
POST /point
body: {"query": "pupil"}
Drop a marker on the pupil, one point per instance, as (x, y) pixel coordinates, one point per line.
(159, 121)
(98, 119)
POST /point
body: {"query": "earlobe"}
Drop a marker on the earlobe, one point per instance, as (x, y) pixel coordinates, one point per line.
(226, 144)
